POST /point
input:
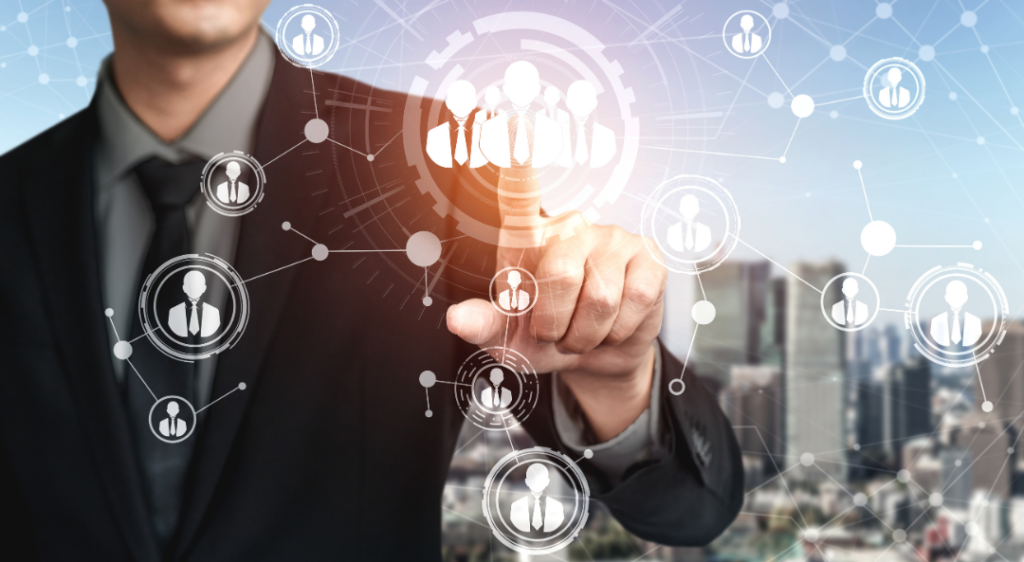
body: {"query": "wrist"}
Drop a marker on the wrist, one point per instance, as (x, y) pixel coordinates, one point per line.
(612, 402)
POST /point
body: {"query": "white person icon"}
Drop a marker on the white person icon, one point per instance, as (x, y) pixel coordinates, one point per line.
(543, 514)
(496, 396)
(233, 191)
(689, 235)
(308, 43)
(461, 101)
(521, 137)
(592, 143)
(194, 317)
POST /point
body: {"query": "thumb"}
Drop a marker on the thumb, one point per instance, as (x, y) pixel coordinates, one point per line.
(475, 321)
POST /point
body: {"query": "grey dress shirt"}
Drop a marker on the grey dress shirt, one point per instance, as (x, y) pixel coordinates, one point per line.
(125, 225)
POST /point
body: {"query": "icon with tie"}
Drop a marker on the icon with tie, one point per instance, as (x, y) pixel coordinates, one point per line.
(457, 143)
(536, 500)
(746, 34)
(307, 35)
(588, 143)
(496, 388)
(172, 419)
(193, 306)
(192, 317)
(523, 136)
(855, 306)
(689, 235)
(232, 183)
(894, 88)
(513, 291)
(956, 327)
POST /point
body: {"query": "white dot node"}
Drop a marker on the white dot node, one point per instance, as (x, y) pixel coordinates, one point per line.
(935, 499)
(241, 386)
(72, 42)
(316, 131)
(22, 17)
(427, 301)
(67, 8)
(955, 176)
(286, 226)
(984, 49)
(427, 379)
(781, 10)
(423, 249)
(899, 535)
(971, 529)
(981, 140)
(981, 425)
(802, 106)
(837, 52)
(883, 11)
(903, 476)
(856, 446)
(1014, 110)
(3, 65)
(833, 114)
(968, 18)
(370, 157)
(588, 453)
(1009, 450)
(926, 53)
(60, 116)
(958, 462)
(857, 164)
(775, 100)
(320, 252)
(878, 238)
(782, 159)
(81, 81)
(122, 350)
(807, 459)
(976, 245)
(986, 406)
(429, 414)
(703, 312)
(859, 499)
(44, 78)
(677, 387)
(109, 312)
(33, 50)
(811, 535)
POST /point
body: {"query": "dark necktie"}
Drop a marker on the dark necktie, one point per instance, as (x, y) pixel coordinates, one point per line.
(169, 188)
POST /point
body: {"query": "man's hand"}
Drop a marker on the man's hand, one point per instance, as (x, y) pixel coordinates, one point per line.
(597, 311)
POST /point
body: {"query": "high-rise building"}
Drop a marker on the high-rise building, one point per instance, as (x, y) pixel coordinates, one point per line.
(909, 408)
(815, 372)
(1001, 378)
(989, 445)
(738, 291)
(956, 477)
(753, 403)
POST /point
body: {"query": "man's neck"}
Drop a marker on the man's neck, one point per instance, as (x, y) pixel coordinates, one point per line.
(169, 91)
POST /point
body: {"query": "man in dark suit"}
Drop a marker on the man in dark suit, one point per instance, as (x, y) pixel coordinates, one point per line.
(325, 454)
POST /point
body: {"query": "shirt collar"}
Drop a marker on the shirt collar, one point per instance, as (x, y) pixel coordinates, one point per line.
(228, 124)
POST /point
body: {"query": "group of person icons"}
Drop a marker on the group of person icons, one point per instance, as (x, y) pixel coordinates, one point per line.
(527, 134)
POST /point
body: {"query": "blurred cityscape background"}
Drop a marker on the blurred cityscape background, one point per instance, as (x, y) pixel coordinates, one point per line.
(855, 448)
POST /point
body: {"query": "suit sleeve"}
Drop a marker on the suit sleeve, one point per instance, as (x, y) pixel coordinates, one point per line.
(688, 496)
(16, 534)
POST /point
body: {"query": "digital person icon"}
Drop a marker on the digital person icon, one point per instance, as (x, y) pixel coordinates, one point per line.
(233, 191)
(538, 511)
(953, 328)
(689, 235)
(850, 311)
(747, 42)
(189, 317)
(894, 96)
(172, 425)
(593, 143)
(307, 43)
(496, 396)
(514, 298)
(464, 148)
(521, 137)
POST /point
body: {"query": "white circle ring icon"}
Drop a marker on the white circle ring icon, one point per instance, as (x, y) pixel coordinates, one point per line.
(503, 300)
(897, 102)
(226, 189)
(159, 410)
(507, 503)
(834, 311)
(167, 331)
(307, 35)
(925, 329)
(746, 38)
(661, 210)
(496, 395)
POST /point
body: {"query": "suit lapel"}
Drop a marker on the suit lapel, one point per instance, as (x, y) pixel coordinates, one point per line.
(60, 210)
(262, 247)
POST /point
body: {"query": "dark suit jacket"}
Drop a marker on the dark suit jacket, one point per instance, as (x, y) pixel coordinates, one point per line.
(327, 455)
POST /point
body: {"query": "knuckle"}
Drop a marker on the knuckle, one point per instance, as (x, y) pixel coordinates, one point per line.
(643, 294)
(600, 301)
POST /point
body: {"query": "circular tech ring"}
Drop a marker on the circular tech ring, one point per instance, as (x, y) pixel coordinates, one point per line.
(956, 337)
(496, 394)
(229, 192)
(690, 224)
(893, 105)
(564, 52)
(523, 478)
(176, 315)
(169, 428)
(301, 40)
